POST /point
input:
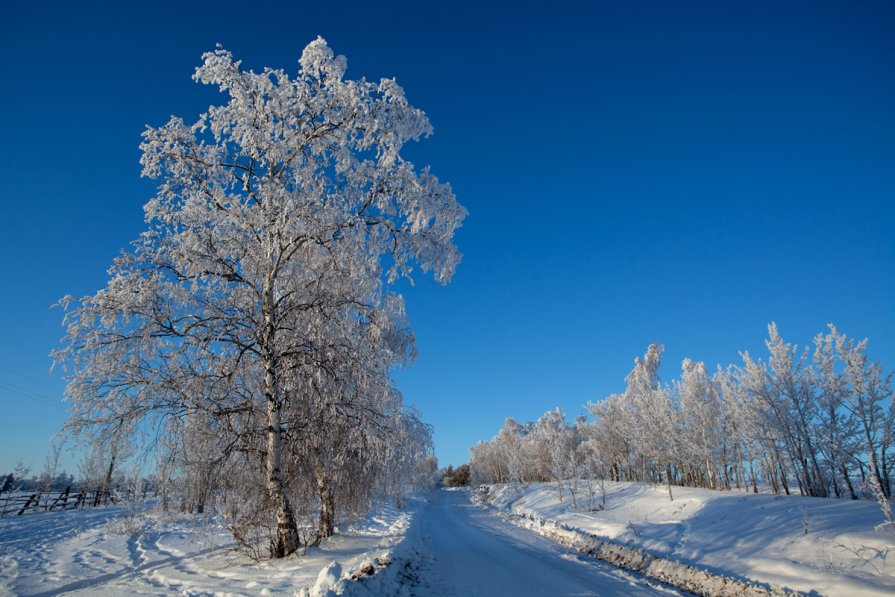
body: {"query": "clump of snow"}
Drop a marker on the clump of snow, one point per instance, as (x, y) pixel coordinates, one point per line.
(327, 581)
(806, 544)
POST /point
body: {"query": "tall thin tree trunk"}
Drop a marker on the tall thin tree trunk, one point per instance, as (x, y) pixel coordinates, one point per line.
(668, 474)
(327, 524)
(887, 486)
(754, 483)
(874, 464)
(845, 477)
(287, 530)
(771, 473)
(104, 492)
(783, 479)
(202, 490)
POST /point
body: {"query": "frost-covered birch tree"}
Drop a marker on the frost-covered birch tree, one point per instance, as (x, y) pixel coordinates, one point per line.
(702, 437)
(281, 217)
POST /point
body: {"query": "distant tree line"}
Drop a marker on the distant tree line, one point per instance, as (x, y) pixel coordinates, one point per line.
(818, 422)
(9, 482)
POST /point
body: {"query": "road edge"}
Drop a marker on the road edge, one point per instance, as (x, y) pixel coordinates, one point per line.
(666, 570)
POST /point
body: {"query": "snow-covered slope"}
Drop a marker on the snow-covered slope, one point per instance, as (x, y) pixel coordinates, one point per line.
(808, 544)
(104, 551)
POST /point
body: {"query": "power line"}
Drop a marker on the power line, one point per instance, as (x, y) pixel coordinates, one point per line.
(28, 377)
(30, 394)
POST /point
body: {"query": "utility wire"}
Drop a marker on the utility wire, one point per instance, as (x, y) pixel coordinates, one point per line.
(30, 394)
(28, 377)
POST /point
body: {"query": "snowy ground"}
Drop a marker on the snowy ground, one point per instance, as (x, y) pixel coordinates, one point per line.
(808, 544)
(447, 546)
(105, 552)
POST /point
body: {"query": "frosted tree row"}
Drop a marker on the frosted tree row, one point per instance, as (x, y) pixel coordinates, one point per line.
(820, 422)
(247, 339)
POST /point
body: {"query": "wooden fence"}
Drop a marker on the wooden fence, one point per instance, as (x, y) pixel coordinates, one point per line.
(16, 504)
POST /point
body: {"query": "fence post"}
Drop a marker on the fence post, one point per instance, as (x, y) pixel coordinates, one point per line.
(63, 497)
(28, 503)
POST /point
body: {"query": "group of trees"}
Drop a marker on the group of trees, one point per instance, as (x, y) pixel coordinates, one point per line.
(250, 334)
(819, 421)
(550, 449)
(456, 477)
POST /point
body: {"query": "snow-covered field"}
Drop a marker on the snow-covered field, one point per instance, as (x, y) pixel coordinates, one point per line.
(808, 544)
(106, 551)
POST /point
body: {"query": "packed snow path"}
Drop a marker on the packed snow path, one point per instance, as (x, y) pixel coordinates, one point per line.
(468, 551)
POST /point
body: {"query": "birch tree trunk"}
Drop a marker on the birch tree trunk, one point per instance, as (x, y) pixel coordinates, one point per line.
(668, 477)
(327, 506)
(287, 530)
(104, 492)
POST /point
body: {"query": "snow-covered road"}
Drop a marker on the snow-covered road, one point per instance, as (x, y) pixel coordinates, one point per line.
(468, 551)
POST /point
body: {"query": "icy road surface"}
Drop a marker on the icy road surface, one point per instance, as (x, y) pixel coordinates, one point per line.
(469, 551)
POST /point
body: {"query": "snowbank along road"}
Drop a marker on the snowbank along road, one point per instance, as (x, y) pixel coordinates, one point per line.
(467, 551)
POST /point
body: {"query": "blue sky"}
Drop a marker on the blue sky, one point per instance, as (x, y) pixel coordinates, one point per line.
(634, 172)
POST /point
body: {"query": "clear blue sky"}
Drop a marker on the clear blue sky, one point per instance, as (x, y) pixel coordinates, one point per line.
(634, 172)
